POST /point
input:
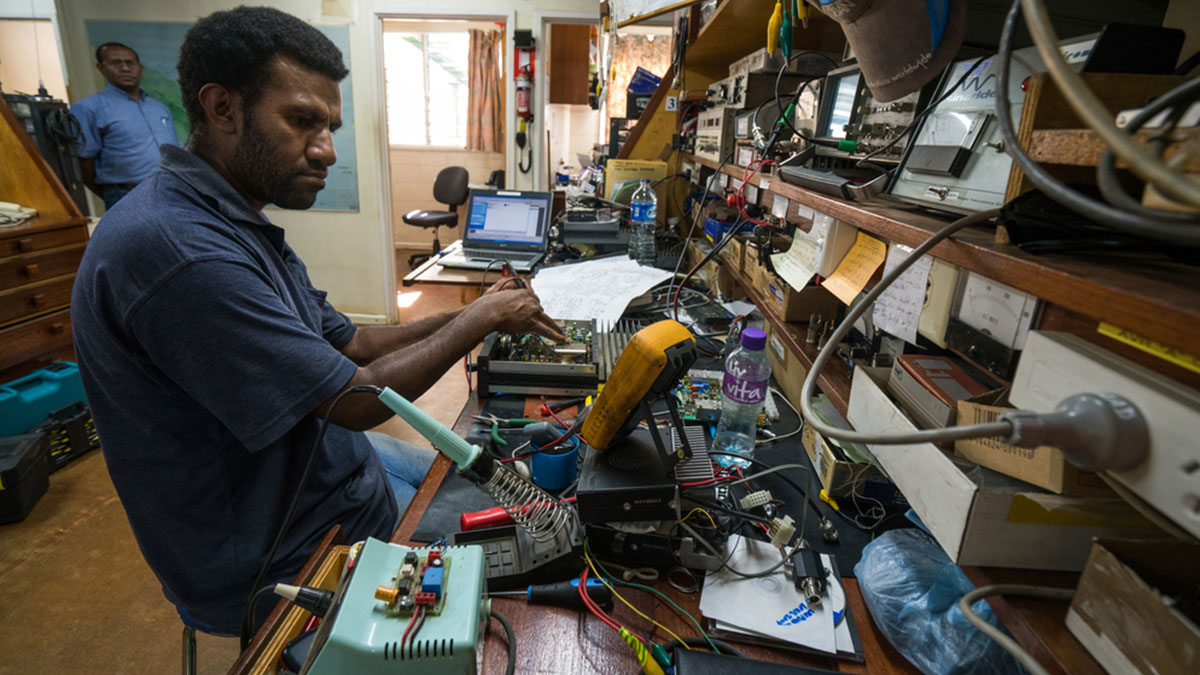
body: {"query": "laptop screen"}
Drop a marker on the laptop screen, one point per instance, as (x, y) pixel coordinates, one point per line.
(506, 217)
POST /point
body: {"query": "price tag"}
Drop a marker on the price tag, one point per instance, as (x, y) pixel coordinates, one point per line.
(804, 212)
(764, 184)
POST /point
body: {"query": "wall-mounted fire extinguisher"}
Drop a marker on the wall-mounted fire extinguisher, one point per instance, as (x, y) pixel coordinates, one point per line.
(523, 60)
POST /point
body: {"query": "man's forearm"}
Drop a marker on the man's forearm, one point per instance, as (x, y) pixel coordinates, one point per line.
(413, 369)
(373, 342)
(87, 169)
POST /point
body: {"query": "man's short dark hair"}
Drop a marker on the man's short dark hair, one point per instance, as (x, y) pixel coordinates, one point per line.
(235, 49)
(106, 45)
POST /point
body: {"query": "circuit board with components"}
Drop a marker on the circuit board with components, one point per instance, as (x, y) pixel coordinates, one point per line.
(527, 363)
(420, 582)
(699, 397)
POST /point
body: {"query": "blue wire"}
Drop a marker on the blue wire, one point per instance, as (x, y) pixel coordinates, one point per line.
(445, 544)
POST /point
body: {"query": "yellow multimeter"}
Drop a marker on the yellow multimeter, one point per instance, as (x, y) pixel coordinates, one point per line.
(652, 363)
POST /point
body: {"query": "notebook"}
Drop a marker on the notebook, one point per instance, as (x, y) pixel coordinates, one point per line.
(507, 225)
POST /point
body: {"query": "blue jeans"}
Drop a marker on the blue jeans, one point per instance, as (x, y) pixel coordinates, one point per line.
(112, 193)
(405, 464)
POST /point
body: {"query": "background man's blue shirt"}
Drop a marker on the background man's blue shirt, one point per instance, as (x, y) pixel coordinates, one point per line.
(122, 134)
(204, 348)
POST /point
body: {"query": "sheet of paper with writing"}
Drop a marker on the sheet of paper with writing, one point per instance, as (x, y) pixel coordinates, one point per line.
(898, 309)
(855, 270)
(798, 264)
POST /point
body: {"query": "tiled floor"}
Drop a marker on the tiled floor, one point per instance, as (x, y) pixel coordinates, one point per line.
(76, 595)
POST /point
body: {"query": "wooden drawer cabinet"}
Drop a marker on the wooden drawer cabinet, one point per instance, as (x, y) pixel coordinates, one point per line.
(27, 339)
(28, 301)
(43, 266)
(40, 241)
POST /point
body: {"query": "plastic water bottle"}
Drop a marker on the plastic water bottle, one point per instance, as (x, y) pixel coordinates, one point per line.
(743, 390)
(643, 214)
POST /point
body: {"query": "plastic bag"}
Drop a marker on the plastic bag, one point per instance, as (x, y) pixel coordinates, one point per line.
(912, 589)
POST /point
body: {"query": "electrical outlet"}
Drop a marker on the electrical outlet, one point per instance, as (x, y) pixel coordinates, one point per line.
(672, 104)
(1056, 365)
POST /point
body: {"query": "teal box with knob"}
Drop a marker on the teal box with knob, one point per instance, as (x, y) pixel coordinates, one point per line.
(362, 634)
(26, 401)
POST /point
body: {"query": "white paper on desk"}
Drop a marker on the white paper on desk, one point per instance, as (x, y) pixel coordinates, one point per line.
(596, 289)
(798, 265)
(770, 606)
(898, 309)
(837, 599)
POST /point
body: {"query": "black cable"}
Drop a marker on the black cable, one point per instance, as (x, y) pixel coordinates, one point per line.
(1106, 171)
(691, 641)
(863, 163)
(248, 613)
(696, 217)
(1189, 65)
(725, 509)
(512, 642)
(1089, 208)
(779, 79)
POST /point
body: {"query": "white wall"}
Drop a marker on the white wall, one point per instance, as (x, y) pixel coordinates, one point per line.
(348, 254)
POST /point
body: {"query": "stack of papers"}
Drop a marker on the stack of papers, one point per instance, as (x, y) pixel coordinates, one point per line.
(595, 289)
(770, 607)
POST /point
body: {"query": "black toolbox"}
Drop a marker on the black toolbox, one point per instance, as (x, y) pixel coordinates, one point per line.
(24, 475)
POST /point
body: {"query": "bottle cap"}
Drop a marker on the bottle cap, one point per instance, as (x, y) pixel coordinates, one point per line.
(754, 338)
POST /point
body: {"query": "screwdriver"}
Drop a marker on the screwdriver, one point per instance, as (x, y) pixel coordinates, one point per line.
(564, 594)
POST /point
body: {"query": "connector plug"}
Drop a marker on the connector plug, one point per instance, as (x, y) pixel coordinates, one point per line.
(314, 600)
(755, 500)
(781, 530)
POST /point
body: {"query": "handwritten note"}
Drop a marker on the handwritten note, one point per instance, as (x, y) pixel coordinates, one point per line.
(856, 268)
(898, 309)
(798, 265)
(596, 289)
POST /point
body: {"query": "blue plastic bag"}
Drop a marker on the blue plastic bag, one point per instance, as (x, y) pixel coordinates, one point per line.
(912, 590)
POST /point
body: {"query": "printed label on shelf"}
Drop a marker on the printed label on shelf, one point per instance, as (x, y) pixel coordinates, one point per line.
(779, 207)
(1181, 359)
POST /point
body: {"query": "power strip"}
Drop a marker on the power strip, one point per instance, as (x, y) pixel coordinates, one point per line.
(1056, 365)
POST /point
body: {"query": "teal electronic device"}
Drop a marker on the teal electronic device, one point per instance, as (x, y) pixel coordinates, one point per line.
(404, 610)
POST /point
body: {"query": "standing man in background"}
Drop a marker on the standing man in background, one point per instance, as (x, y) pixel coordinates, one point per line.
(122, 127)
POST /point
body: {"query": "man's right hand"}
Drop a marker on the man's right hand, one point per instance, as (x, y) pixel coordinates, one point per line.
(518, 311)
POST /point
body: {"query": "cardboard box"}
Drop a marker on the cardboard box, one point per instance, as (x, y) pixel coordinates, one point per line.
(787, 369)
(930, 387)
(790, 304)
(979, 516)
(1043, 466)
(732, 253)
(620, 172)
(1125, 610)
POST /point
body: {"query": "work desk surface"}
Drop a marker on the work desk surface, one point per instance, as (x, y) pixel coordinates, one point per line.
(559, 640)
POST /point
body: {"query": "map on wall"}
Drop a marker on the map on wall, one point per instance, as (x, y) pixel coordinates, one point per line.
(157, 45)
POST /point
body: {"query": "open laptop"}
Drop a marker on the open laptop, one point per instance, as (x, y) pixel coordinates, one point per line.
(505, 225)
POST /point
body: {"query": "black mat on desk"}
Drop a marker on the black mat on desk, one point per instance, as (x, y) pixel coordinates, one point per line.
(457, 495)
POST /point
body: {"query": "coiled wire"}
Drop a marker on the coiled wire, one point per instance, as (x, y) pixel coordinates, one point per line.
(530, 507)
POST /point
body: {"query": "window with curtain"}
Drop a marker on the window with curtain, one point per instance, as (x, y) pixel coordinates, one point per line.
(427, 88)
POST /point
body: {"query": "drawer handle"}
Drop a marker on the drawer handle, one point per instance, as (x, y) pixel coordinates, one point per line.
(32, 270)
(57, 328)
(38, 300)
(25, 244)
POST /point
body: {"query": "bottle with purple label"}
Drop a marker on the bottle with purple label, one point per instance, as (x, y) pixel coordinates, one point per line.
(743, 391)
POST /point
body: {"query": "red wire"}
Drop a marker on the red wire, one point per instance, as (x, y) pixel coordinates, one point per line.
(709, 481)
(557, 418)
(587, 602)
(412, 619)
(467, 370)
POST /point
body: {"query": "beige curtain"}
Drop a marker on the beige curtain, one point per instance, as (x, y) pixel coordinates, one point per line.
(485, 123)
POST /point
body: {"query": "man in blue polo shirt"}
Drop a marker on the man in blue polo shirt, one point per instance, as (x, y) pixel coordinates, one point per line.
(210, 360)
(123, 127)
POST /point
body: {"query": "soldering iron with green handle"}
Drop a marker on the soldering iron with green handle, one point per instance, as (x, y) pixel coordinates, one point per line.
(463, 453)
(532, 508)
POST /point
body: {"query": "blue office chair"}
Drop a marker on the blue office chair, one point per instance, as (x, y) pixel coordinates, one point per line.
(449, 188)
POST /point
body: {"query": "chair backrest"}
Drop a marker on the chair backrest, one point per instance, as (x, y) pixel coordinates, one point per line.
(450, 186)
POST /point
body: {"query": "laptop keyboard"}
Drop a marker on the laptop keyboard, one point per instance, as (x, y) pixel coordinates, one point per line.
(486, 256)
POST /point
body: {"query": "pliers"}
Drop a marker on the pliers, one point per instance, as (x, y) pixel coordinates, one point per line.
(500, 422)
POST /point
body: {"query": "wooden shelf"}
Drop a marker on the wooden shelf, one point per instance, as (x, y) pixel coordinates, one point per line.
(1149, 295)
(739, 27)
(1083, 147)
